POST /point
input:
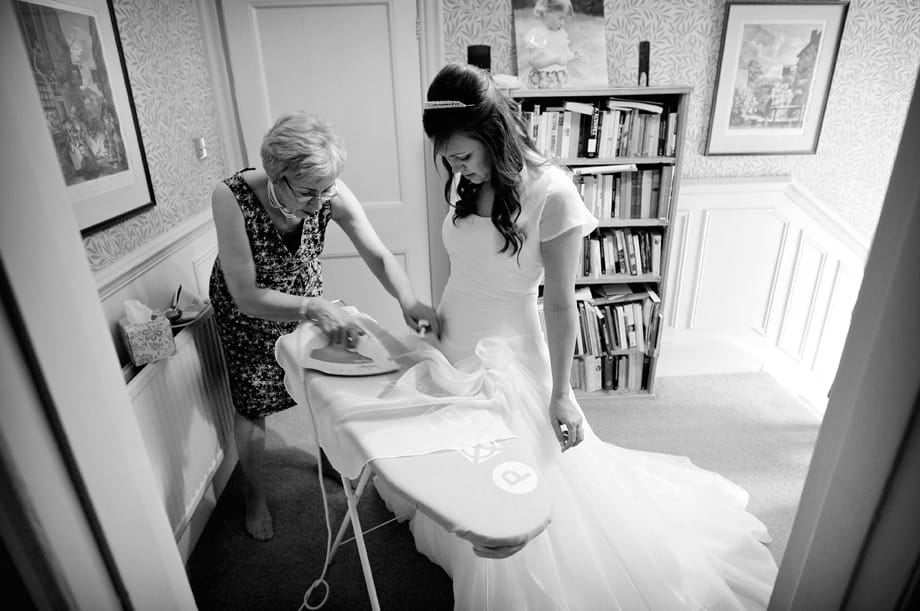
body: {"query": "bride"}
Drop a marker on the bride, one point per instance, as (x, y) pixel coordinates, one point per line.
(630, 529)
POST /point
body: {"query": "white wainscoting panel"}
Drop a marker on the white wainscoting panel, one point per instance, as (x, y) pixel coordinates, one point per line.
(739, 252)
(678, 257)
(764, 276)
(202, 265)
(836, 315)
(800, 303)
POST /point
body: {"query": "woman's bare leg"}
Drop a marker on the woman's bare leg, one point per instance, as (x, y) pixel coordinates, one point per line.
(250, 445)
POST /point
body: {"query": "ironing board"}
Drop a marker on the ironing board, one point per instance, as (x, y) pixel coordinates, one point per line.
(490, 495)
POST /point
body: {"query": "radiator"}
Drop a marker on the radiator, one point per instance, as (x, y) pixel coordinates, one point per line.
(185, 415)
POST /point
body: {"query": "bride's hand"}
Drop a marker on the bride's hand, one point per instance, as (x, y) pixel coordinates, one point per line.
(567, 421)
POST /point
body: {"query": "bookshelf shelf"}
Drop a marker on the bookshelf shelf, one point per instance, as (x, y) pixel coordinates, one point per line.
(624, 149)
(632, 223)
(576, 162)
(618, 279)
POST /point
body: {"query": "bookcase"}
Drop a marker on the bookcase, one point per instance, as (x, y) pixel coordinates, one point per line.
(623, 147)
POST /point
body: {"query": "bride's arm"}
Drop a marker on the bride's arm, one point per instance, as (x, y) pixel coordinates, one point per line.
(560, 259)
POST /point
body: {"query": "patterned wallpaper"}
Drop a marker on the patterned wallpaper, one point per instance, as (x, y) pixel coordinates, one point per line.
(876, 68)
(171, 86)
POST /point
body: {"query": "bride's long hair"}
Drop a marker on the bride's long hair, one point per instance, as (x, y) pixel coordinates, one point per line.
(494, 119)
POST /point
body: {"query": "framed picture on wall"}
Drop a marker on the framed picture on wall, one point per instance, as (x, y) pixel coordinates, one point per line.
(560, 44)
(83, 88)
(774, 75)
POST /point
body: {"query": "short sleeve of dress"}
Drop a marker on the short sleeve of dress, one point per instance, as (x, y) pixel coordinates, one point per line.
(564, 210)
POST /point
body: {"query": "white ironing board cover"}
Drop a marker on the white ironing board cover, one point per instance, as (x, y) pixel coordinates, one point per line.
(487, 491)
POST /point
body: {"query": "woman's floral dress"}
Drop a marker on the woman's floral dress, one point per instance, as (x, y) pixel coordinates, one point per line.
(256, 379)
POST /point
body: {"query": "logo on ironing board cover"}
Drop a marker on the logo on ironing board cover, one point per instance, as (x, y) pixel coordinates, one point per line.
(514, 477)
(368, 358)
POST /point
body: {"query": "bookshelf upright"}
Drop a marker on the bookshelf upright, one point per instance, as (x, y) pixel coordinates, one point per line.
(623, 147)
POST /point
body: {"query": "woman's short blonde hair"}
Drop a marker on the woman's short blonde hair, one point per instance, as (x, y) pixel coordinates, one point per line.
(303, 148)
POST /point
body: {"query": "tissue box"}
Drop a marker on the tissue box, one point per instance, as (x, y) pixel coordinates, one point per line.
(149, 341)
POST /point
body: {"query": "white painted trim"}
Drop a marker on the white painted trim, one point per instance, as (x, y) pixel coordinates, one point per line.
(784, 318)
(683, 229)
(698, 272)
(835, 283)
(138, 262)
(431, 53)
(774, 281)
(828, 219)
(832, 291)
(814, 298)
(431, 39)
(701, 187)
(693, 192)
(227, 119)
(203, 279)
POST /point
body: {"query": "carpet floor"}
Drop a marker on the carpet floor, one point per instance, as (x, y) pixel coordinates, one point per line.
(745, 426)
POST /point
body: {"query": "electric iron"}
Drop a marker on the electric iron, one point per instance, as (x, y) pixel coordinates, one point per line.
(368, 358)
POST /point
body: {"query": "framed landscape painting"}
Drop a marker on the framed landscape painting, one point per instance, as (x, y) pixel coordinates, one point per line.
(775, 69)
(85, 97)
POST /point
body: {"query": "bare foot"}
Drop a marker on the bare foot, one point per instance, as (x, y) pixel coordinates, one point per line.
(259, 520)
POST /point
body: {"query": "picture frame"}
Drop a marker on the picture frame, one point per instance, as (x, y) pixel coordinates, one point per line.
(577, 38)
(83, 87)
(776, 64)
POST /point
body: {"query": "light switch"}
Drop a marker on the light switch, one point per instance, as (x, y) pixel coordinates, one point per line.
(200, 148)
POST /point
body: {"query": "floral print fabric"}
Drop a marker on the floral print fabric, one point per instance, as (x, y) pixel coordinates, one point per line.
(256, 379)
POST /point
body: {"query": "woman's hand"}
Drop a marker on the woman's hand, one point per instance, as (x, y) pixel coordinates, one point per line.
(339, 326)
(418, 315)
(567, 421)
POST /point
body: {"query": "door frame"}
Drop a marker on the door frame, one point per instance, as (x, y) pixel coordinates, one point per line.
(431, 48)
(87, 469)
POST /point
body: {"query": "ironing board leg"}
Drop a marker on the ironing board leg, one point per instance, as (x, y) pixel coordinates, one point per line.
(359, 535)
(362, 482)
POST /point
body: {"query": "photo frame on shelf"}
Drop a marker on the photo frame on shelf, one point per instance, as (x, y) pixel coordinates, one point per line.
(572, 30)
(85, 94)
(775, 69)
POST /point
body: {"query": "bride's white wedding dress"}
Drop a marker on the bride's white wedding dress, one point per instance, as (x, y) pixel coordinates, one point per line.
(630, 529)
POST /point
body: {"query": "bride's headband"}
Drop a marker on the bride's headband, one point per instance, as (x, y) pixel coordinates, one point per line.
(440, 104)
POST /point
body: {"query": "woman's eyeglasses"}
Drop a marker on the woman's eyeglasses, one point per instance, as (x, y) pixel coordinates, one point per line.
(309, 195)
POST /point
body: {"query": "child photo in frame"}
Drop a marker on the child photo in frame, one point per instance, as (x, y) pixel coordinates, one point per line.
(560, 44)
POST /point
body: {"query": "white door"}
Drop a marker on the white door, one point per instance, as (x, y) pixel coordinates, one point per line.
(356, 64)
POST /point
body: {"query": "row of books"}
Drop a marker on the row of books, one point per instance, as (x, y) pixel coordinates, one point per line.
(618, 318)
(607, 251)
(607, 128)
(627, 193)
(626, 373)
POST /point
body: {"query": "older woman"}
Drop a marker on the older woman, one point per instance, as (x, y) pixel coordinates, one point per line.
(268, 277)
